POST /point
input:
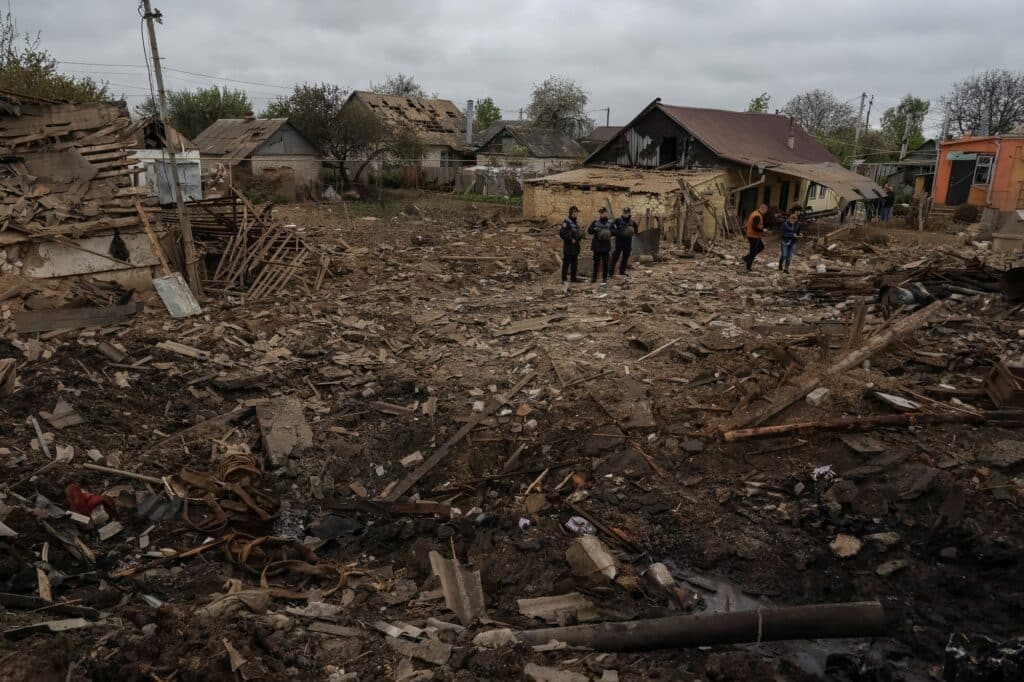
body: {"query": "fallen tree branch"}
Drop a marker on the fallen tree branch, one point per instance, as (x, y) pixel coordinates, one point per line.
(815, 621)
(875, 421)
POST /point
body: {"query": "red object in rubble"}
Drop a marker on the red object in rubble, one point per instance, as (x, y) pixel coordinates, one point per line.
(84, 503)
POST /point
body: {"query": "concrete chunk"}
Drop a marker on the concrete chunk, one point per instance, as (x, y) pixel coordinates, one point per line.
(559, 609)
(818, 396)
(283, 430)
(429, 650)
(589, 558)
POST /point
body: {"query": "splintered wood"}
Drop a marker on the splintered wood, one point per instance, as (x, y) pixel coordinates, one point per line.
(259, 256)
(66, 170)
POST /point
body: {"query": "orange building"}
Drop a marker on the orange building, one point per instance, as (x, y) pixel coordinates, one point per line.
(983, 171)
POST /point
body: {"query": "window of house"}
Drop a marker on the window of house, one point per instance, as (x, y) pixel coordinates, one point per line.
(983, 170)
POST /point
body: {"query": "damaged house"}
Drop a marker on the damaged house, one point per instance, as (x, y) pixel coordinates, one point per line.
(438, 123)
(240, 151)
(68, 206)
(523, 145)
(767, 158)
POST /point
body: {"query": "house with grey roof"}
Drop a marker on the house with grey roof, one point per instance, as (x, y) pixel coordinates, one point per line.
(523, 145)
(243, 149)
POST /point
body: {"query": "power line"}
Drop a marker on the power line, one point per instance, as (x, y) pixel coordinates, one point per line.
(190, 73)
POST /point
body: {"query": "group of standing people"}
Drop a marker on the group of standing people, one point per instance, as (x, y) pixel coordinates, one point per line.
(603, 232)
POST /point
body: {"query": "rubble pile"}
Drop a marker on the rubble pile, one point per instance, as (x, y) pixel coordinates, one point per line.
(435, 465)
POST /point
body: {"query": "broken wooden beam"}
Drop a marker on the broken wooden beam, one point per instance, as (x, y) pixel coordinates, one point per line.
(815, 621)
(874, 422)
(442, 452)
(812, 378)
(29, 321)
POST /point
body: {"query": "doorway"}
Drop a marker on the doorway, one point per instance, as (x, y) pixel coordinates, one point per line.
(783, 195)
(961, 176)
(748, 202)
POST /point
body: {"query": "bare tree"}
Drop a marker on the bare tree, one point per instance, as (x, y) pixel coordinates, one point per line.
(821, 113)
(399, 84)
(993, 99)
(561, 104)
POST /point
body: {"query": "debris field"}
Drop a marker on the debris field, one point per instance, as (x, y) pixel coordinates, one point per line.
(423, 461)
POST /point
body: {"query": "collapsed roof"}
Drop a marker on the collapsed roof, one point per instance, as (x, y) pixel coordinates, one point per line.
(234, 139)
(438, 122)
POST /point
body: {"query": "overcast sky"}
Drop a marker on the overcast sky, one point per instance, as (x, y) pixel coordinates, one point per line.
(624, 54)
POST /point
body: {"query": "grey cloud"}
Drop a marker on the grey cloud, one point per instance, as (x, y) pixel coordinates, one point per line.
(623, 53)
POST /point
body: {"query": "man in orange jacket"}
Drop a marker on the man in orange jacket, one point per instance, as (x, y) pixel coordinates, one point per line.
(755, 234)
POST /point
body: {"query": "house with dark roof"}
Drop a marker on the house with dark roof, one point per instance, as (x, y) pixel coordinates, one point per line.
(598, 136)
(268, 148)
(438, 123)
(768, 158)
(524, 145)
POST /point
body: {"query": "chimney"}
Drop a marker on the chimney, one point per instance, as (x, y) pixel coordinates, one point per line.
(469, 123)
(791, 138)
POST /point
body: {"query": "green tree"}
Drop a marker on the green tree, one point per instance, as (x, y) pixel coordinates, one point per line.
(895, 119)
(487, 112)
(28, 69)
(343, 129)
(561, 104)
(193, 111)
(991, 101)
(760, 103)
(399, 84)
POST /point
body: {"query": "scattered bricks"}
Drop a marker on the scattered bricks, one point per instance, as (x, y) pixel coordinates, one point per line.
(590, 559)
(818, 396)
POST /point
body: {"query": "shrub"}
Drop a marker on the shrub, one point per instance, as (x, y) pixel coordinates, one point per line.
(966, 213)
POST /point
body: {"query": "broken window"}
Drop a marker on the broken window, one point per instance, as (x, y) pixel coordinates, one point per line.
(983, 170)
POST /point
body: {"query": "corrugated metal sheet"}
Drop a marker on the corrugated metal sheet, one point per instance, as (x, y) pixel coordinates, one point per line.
(641, 150)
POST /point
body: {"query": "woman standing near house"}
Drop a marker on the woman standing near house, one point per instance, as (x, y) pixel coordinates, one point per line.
(788, 234)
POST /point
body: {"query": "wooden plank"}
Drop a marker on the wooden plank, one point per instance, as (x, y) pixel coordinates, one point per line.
(30, 321)
(813, 377)
(423, 469)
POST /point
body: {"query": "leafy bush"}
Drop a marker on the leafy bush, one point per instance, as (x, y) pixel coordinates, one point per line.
(966, 213)
(260, 191)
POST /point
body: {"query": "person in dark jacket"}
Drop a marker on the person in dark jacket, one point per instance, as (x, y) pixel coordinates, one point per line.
(623, 230)
(788, 234)
(888, 201)
(571, 234)
(601, 244)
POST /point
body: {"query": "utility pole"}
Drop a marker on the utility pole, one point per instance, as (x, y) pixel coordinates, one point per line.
(520, 114)
(856, 128)
(938, 143)
(195, 283)
(867, 119)
(607, 116)
(906, 137)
